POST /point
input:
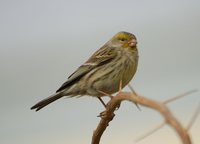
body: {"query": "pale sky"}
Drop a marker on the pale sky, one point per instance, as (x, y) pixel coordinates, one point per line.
(43, 41)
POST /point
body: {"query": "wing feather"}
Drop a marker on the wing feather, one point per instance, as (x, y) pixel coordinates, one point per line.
(100, 57)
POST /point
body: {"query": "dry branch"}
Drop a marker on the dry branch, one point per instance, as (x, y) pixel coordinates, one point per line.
(108, 115)
(194, 117)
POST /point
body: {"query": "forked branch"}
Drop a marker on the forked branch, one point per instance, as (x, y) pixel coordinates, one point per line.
(115, 101)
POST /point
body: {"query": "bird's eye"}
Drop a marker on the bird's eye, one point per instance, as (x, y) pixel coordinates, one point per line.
(122, 39)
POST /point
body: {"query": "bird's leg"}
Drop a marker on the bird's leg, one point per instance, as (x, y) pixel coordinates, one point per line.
(104, 94)
(120, 89)
(102, 102)
(103, 114)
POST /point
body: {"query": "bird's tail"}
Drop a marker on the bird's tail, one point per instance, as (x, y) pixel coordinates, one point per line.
(46, 101)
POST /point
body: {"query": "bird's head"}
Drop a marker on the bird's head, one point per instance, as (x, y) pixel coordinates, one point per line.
(125, 40)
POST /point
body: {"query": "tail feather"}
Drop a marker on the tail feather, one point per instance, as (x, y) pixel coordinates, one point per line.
(46, 101)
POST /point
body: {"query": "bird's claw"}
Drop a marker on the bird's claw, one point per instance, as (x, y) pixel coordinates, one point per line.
(104, 115)
(118, 106)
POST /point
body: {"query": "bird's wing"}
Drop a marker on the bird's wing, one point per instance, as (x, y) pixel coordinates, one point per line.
(100, 57)
(81, 71)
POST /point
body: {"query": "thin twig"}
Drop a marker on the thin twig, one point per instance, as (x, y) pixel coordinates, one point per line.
(179, 96)
(194, 117)
(150, 132)
(120, 85)
(133, 91)
(131, 88)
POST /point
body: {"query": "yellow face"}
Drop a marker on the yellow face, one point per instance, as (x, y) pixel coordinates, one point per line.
(126, 39)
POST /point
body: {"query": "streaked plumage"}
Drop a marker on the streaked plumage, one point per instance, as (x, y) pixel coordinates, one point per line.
(116, 60)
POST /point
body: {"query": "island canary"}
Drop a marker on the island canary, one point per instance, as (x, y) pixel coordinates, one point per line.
(116, 61)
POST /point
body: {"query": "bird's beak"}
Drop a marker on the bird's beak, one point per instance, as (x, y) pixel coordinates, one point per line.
(133, 43)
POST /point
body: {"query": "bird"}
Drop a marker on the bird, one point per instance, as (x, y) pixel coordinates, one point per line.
(116, 61)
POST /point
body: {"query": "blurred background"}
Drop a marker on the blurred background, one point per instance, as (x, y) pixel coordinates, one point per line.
(43, 41)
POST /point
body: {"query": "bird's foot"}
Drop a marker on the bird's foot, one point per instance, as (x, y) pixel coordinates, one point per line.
(105, 115)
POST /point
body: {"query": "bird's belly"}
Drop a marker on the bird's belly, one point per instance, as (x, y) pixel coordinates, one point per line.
(109, 81)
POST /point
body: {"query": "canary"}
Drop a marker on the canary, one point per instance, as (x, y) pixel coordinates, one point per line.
(116, 61)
